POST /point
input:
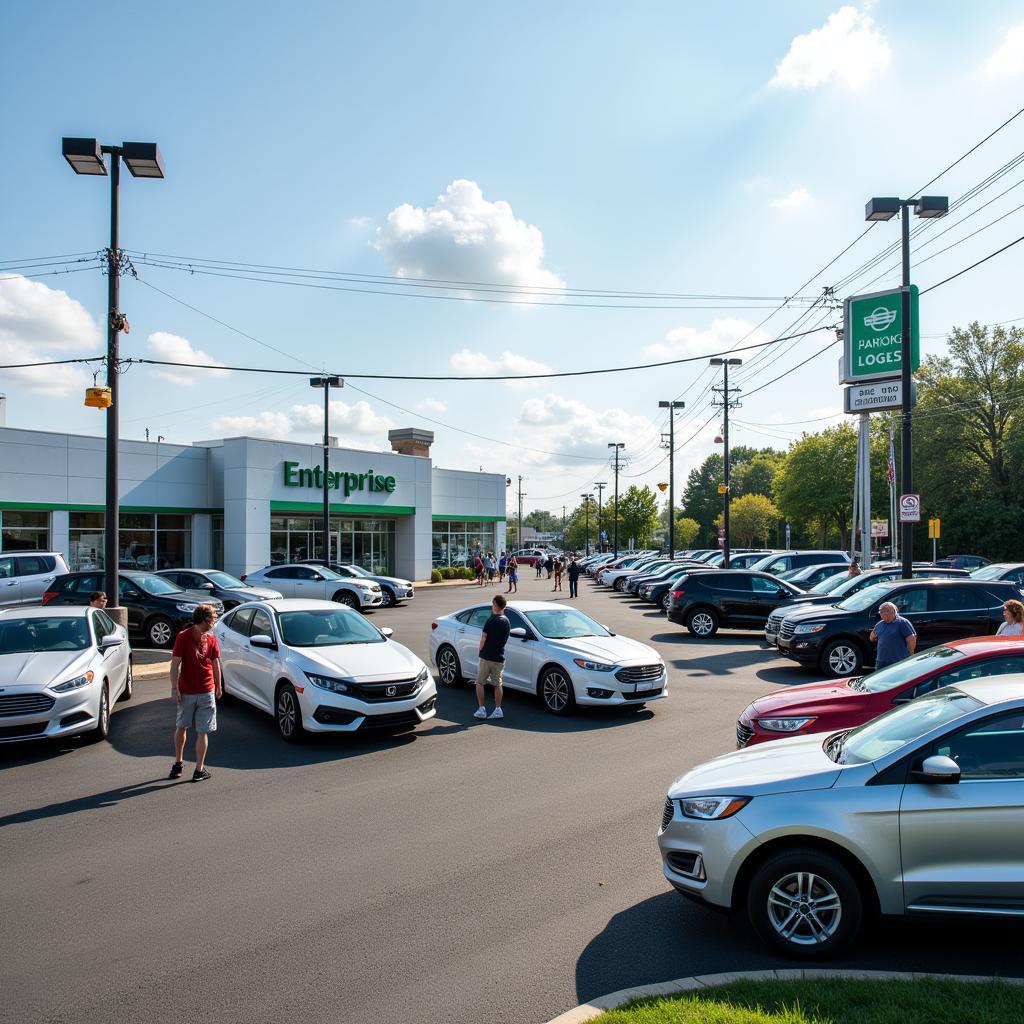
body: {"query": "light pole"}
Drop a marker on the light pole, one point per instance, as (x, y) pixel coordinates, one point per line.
(671, 406)
(618, 446)
(886, 208)
(600, 485)
(587, 499)
(724, 391)
(327, 383)
(144, 161)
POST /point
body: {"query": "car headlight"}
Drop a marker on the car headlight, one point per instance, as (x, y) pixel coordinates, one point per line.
(424, 675)
(810, 627)
(327, 683)
(711, 808)
(187, 607)
(784, 724)
(74, 684)
(592, 666)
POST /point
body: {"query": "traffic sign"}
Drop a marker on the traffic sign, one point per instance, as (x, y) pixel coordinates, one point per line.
(722, 488)
(934, 529)
(878, 395)
(910, 508)
(879, 528)
(872, 336)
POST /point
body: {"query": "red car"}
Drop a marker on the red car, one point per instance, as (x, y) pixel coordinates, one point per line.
(836, 704)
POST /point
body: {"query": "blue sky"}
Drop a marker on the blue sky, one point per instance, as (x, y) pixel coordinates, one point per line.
(664, 147)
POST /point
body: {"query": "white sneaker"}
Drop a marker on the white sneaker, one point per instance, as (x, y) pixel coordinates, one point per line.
(497, 713)
(480, 713)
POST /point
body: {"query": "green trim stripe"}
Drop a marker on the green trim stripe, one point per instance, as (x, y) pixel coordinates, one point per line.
(470, 519)
(312, 507)
(46, 506)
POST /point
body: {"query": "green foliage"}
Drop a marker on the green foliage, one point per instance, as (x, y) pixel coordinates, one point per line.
(752, 519)
(751, 472)
(757, 475)
(543, 522)
(435, 576)
(638, 515)
(687, 531)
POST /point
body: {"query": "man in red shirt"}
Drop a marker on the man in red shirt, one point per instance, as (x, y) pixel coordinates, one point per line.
(195, 685)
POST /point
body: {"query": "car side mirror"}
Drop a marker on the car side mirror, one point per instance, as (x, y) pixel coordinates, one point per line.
(131, 595)
(938, 769)
(262, 640)
(519, 633)
(207, 586)
(387, 632)
(110, 641)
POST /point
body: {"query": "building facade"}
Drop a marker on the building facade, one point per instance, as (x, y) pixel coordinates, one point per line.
(242, 503)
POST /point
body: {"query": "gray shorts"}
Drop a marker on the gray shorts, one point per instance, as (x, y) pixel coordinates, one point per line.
(489, 672)
(197, 711)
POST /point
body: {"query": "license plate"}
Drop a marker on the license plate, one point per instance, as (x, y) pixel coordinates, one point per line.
(642, 687)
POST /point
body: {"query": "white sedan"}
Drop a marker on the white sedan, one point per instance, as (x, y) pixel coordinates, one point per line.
(61, 669)
(317, 666)
(555, 651)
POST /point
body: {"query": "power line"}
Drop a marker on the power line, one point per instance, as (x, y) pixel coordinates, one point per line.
(53, 362)
(985, 259)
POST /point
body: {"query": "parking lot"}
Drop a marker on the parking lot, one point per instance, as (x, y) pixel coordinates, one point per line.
(465, 872)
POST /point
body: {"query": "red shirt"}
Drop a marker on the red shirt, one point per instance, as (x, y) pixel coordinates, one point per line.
(197, 658)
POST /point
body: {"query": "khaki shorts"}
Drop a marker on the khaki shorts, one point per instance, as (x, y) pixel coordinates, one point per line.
(197, 711)
(489, 672)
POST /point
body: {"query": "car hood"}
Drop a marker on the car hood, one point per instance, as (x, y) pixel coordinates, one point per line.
(394, 580)
(617, 649)
(781, 766)
(808, 699)
(816, 611)
(253, 593)
(807, 599)
(34, 670)
(365, 662)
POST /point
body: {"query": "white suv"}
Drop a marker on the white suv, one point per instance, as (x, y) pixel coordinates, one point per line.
(318, 583)
(26, 575)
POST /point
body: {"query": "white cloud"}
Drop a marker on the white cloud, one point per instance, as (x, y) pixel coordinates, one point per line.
(176, 349)
(351, 424)
(465, 237)
(432, 405)
(719, 337)
(849, 47)
(477, 364)
(1008, 59)
(34, 319)
(264, 424)
(795, 200)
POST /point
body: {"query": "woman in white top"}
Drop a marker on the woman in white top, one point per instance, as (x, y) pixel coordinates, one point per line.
(1013, 613)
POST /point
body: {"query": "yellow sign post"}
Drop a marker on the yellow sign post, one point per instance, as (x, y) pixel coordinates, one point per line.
(934, 533)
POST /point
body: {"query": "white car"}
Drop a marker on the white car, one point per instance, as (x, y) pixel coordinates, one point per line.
(554, 651)
(318, 583)
(318, 667)
(612, 577)
(61, 670)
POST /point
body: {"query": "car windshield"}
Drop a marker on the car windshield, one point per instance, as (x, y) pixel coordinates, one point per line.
(906, 670)
(31, 635)
(989, 572)
(228, 582)
(358, 570)
(326, 628)
(564, 624)
(155, 585)
(900, 726)
(831, 583)
(866, 597)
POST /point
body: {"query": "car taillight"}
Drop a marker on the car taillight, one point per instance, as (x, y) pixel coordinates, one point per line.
(49, 596)
(677, 593)
(433, 626)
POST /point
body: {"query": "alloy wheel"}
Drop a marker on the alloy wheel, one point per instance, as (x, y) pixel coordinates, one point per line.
(842, 660)
(161, 633)
(287, 713)
(804, 908)
(555, 692)
(448, 667)
(389, 598)
(702, 624)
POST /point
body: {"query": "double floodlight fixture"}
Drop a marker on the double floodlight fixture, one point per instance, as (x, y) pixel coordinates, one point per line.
(718, 361)
(886, 207)
(86, 157)
(672, 405)
(325, 382)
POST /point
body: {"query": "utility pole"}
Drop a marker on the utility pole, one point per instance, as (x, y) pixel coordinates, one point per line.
(587, 499)
(327, 383)
(519, 537)
(600, 485)
(618, 446)
(726, 404)
(563, 526)
(671, 406)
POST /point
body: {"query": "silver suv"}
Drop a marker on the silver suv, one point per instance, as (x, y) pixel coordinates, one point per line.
(916, 813)
(25, 575)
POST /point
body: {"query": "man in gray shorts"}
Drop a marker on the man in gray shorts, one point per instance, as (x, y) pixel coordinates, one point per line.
(492, 657)
(195, 687)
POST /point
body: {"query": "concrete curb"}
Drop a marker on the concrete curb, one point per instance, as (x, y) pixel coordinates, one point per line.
(153, 670)
(588, 1011)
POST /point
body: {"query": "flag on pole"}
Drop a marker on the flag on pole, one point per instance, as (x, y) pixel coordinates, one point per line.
(892, 460)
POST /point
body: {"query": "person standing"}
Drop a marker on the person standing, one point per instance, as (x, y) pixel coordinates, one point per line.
(1013, 614)
(493, 638)
(513, 575)
(195, 686)
(896, 637)
(98, 599)
(502, 566)
(854, 569)
(478, 568)
(559, 568)
(492, 567)
(574, 577)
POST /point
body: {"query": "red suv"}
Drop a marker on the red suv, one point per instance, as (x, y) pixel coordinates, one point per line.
(837, 704)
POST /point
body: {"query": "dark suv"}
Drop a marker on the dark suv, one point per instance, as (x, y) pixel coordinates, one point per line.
(157, 608)
(706, 600)
(837, 638)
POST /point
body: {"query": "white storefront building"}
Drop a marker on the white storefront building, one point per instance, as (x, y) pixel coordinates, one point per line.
(242, 503)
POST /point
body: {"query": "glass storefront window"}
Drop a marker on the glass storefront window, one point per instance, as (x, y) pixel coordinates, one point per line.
(369, 543)
(456, 542)
(22, 530)
(147, 541)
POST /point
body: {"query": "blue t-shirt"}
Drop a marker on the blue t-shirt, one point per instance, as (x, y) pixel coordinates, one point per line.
(892, 640)
(496, 630)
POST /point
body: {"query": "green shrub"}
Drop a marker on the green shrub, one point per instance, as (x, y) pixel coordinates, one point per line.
(468, 573)
(435, 576)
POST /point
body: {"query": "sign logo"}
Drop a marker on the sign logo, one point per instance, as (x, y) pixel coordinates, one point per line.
(880, 318)
(392, 690)
(295, 476)
(910, 508)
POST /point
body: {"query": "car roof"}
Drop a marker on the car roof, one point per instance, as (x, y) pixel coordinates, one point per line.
(299, 604)
(522, 606)
(62, 611)
(995, 689)
(979, 646)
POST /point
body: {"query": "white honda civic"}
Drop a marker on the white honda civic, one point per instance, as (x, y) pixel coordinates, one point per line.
(555, 651)
(317, 666)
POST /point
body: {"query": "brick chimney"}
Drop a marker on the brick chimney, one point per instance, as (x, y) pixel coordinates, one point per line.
(411, 441)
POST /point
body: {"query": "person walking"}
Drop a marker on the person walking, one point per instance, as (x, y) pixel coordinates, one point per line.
(854, 569)
(513, 575)
(493, 638)
(98, 599)
(1013, 614)
(502, 566)
(478, 568)
(538, 567)
(196, 684)
(574, 577)
(559, 568)
(492, 567)
(896, 637)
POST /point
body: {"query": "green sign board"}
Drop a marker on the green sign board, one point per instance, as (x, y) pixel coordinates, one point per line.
(873, 335)
(297, 476)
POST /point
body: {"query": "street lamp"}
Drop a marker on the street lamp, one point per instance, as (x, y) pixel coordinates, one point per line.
(587, 499)
(143, 160)
(327, 383)
(724, 391)
(885, 208)
(671, 406)
(618, 446)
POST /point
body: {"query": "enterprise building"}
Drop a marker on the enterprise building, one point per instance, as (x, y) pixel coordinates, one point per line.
(242, 503)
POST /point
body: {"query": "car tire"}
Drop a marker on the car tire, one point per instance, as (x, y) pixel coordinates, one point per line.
(160, 632)
(345, 597)
(390, 600)
(288, 714)
(556, 692)
(619, 585)
(786, 890)
(129, 684)
(702, 622)
(841, 658)
(449, 668)
(666, 602)
(102, 729)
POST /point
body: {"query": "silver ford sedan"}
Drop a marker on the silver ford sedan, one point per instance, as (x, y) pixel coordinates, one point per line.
(919, 812)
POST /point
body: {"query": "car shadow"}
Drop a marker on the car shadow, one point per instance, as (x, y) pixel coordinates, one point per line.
(668, 937)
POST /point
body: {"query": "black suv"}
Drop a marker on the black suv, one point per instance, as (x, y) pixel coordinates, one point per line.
(730, 598)
(837, 638)
(157, 608)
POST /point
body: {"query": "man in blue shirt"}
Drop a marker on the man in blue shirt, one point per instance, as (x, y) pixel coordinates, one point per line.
(896, 637)
(493, 638)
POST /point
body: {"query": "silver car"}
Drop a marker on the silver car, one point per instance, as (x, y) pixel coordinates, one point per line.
(917, 813)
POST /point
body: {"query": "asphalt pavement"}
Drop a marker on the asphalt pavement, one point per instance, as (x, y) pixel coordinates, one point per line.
(467, 872)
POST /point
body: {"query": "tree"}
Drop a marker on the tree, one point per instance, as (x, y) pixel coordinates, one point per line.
(543, 522)
(701, 500)
(756, 476)
(576, 531)
(752, 518)
(638, 515)
(750, 470)
(687, 531)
